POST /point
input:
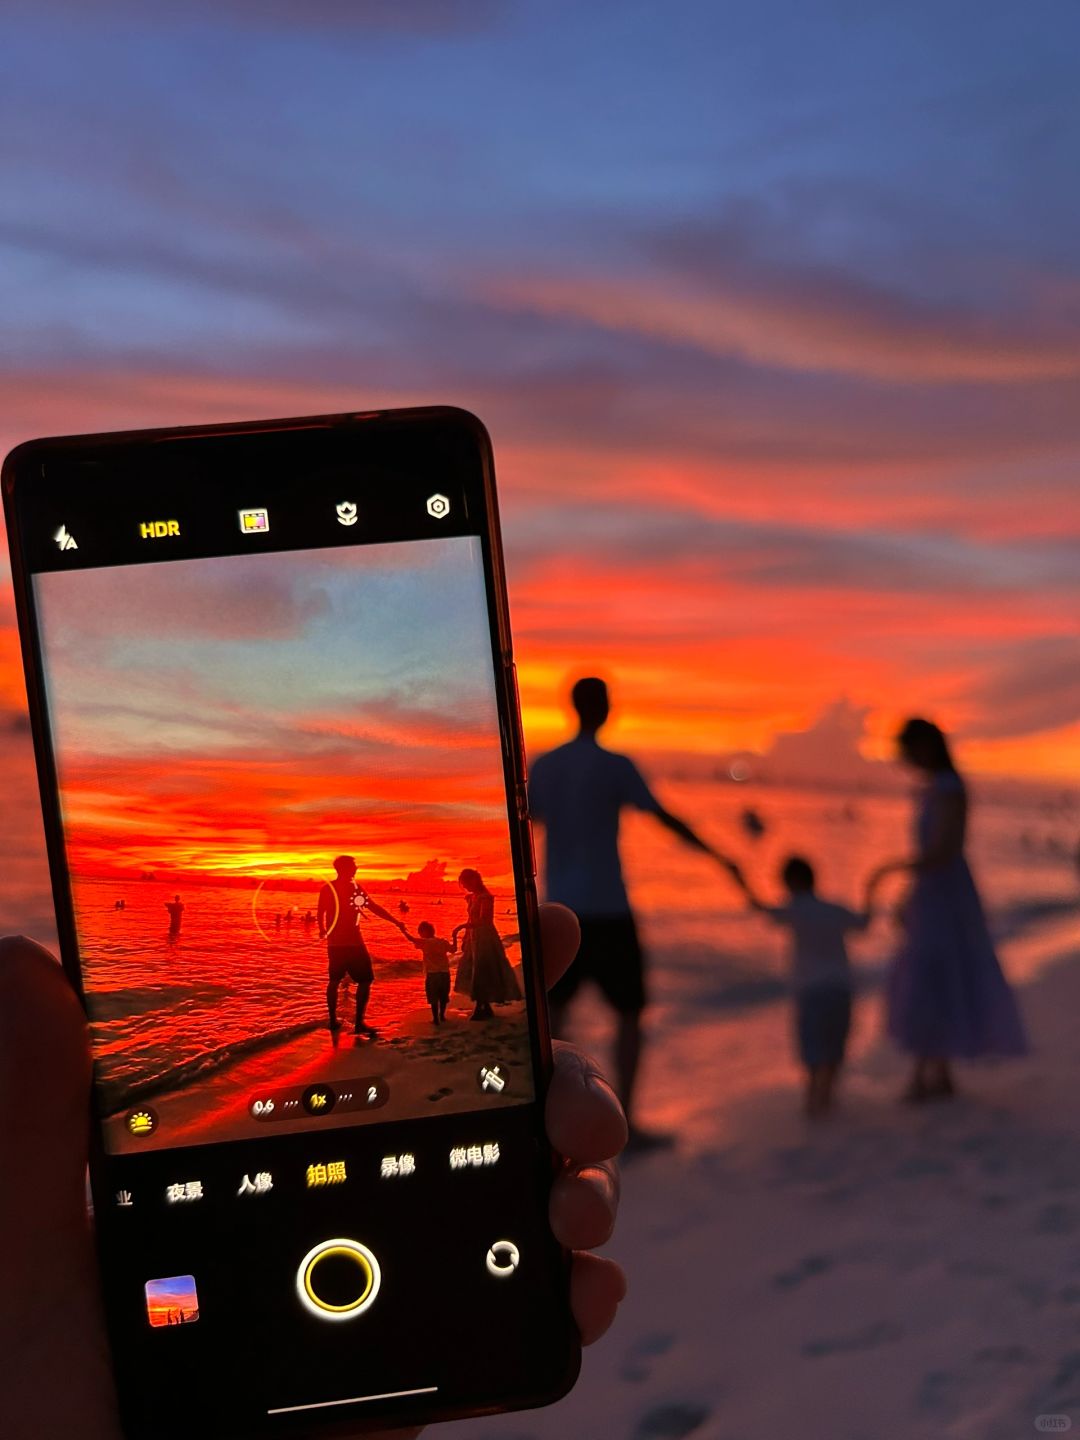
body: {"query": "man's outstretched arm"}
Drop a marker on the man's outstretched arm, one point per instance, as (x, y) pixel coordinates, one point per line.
(376, 909)
(636, 792)
(683, 831)
(690, 837)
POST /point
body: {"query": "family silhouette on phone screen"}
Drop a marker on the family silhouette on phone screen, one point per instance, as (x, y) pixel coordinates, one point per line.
(484, 974)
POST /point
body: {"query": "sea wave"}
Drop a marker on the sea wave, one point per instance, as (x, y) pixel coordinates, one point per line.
(123, 1003)
(118, 1095)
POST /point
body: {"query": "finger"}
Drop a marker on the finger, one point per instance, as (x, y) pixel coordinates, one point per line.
(560, 935)
(51, 1303)
(585, 1122)
(584, 1203)
(44, 1091)
(597, 1289)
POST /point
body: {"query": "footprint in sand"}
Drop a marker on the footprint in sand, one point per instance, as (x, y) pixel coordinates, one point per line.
(922, 1167)
(672, 1422)
(868, 1338)
(998, 1355)
(1056, 1220)
(1062, 1395)
(806, 1269)
(977, 1269)
(636, 1365)
(949, 1394)
(994, 1200)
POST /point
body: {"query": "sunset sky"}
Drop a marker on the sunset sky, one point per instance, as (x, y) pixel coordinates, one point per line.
(256, 716)
(773, 312)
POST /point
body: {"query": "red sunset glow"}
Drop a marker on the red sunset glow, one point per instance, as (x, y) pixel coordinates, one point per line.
(349, 707)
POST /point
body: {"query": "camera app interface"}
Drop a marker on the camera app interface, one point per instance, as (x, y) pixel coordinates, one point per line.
(286, 829)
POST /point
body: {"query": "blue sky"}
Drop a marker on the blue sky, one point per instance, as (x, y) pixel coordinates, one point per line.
(248, 654)
(244, 713)
(926, 147)
(801, 277)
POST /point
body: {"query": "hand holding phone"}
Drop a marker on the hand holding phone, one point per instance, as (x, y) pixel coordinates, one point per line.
(272, 692)
(51, 1302)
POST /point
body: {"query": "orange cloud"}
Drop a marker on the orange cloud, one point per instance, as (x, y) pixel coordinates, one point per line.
(860, 332)
(219, 819)
(618, 563)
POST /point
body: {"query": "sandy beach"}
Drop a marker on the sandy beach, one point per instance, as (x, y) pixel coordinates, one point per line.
(893, 1273)
(424, 1068)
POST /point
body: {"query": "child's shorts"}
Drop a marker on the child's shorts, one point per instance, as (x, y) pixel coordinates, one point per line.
(823, 1019)
(437, 987)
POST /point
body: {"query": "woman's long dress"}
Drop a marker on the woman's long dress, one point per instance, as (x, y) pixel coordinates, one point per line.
(947, 995)
(485, 974)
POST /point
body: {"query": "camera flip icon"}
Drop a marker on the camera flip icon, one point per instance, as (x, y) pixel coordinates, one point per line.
(438, 507)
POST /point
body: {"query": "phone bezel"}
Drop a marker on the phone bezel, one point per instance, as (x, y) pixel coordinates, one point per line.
(444, 429)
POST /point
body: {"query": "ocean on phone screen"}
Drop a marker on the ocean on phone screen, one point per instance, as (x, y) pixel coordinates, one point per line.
(171, 1010)
(242, 975)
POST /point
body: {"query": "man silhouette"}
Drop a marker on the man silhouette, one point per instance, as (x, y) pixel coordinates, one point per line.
(340, 905)
(577, 793)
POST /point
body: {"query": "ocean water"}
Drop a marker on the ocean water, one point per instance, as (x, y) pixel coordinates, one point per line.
(166, 1010)
(710, 951)
(232, 981)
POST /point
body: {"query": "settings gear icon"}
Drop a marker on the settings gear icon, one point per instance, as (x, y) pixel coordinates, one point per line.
(438, 507)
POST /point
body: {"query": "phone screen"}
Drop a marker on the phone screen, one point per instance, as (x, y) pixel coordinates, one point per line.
(292, 855)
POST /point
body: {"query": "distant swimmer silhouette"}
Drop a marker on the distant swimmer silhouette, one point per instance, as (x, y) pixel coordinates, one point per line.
(484, 972)
(341, 903)
(578, 793)
(176, 912)
(752, 823)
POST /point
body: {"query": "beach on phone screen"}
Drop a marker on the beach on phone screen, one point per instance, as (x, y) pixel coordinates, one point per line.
(286, 826)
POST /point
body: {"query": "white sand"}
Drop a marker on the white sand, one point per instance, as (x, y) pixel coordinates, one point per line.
(892, 1272)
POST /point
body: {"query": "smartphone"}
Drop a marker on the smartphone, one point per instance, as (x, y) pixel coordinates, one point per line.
(276, 723)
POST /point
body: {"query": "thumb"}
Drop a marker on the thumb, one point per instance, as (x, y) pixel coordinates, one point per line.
(49, 1313)
(44, 1096)
(44, 1080)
